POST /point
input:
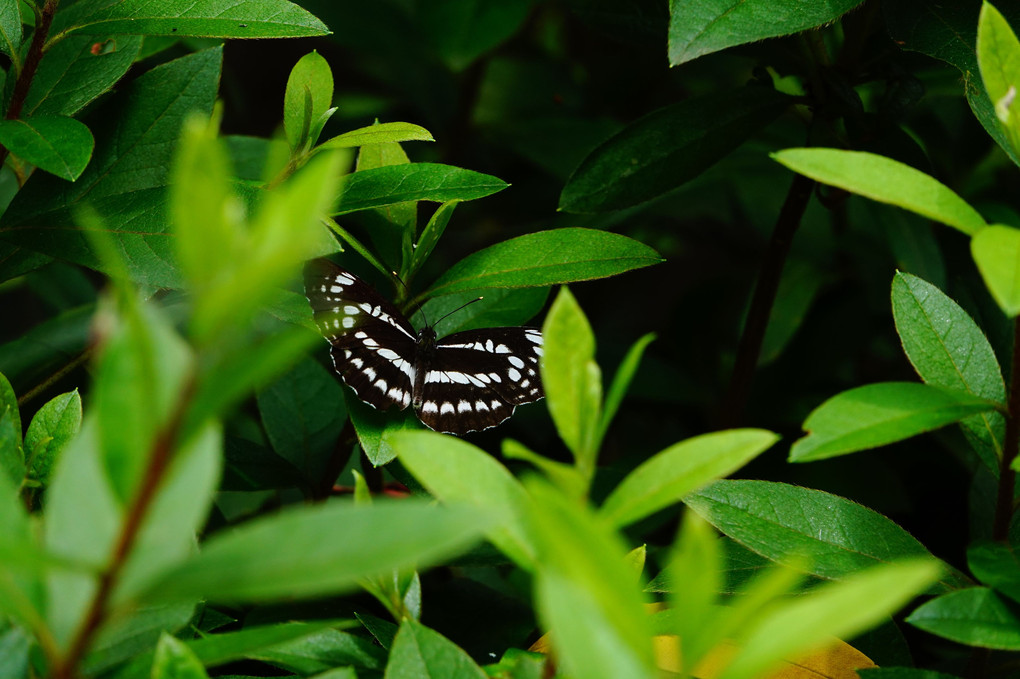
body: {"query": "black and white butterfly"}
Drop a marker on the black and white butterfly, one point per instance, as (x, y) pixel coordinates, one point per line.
(468, 381)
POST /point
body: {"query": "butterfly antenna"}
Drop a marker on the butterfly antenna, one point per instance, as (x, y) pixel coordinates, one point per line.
(476, 299)
(407, 291)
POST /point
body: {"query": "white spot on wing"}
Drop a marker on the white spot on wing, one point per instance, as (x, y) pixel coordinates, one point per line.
(513, 374)
(515, 362)
(463, 406)
(447, 408)
(430, 407)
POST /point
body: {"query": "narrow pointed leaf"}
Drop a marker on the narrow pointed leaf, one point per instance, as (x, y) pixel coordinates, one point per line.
(392, 184)
(885, 180)
(545, 258)
(878, 414)
(998, 52)
(378, 134)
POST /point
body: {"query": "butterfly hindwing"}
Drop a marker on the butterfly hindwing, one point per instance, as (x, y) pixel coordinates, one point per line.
(373, 345)
(478, 377)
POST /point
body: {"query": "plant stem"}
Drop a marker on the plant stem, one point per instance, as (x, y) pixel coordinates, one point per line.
(160, 457)
(32, 59)
(1007, 477)
(55, 377)
(749, 349)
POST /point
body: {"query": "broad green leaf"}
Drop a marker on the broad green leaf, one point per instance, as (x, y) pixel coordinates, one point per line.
(840, 609)
(12, 454)
(975, 616)
(621, 382)
(695, 574)
(9, 404)
(836, 536)
(563, 475)
(142, 370)
(390, 184)
(696, 29)
(948, 31)
(80, 524)
(668, 476)
(52, 428)
(363, 542)
(322, 650)
(586, 594)
(168, 532)
(174, 660)
(377, 134)
(371, 425)
(458, 473)
(125, 181)
(996, 251)
(996, 564)
(200, 18)
(885, 180)
(70, 75)
(545, 258)
(391, 227)
(418, 651)
(878, 414)
(10, 31)
(59, 145)
(498, 307)
(134, 632)
(667, 148)
(217, 649)
(462, 30)
(308, 96)
(998, 54)
(303, 413)
(572, 379)
(948, 349)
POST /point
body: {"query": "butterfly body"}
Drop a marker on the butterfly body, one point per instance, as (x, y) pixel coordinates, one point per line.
(464, 382)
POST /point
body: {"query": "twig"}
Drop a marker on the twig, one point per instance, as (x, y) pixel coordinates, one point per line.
(1007, 477)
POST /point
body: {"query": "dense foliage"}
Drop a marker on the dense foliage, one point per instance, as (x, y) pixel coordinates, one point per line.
(791, 227)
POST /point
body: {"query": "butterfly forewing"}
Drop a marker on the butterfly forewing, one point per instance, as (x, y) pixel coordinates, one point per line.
(373, 346)
(465, 382)
(477, 377)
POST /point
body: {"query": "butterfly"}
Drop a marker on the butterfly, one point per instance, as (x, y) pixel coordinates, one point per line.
(467, 381)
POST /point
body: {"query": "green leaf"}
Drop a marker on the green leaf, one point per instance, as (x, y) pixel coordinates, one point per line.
(684, 467)
(878, 414)
(70, 75)
(948, 349)
(996, 250)
(181, 507)
(377, 134)
(371, 425)
(545, 258)
(303, 413)
(322, 650)
(391, 184)
(839, 609)
(52, 428)
(885, 180)
(59, 145)
(421, 652)
(458, 473)
(998, 54)
(695, 576)
(586, 594)
(125, 182)
(80, 524)
(9, 404)
(996, 565)
(621, 381)
(667, 148)
(497, 308)
(572, 379)
(463, 30)
(948, 31)
(10, 31)
(778, 520)
(363, 542)
(975, 616)
(134, 632)
(198, 18)
(308, 96)
(706, 27)
(175, 661)
(12, 455)
(430, 235)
